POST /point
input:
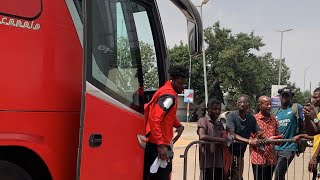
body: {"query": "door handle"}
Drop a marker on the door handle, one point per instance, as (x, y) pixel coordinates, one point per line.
(95, 140)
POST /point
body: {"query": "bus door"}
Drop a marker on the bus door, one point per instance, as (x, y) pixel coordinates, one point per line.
(124, 54)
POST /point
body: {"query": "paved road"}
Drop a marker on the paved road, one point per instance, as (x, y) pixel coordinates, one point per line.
(297, 169)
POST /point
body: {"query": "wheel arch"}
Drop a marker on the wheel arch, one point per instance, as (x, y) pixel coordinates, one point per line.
(27, 159)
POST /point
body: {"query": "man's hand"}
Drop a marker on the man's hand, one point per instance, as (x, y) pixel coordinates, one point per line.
(260, 135)
(162, 152)
(257, 142)
(232, 136)
(297, 138)
(309, 112)
(312, 164)
(179, 131)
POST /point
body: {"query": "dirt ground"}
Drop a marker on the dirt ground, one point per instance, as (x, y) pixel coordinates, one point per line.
(297, 170)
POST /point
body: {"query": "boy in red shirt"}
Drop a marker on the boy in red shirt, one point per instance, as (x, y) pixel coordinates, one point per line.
(161, 118)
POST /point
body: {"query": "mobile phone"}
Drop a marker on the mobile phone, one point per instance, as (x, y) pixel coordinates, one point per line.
(170, 154)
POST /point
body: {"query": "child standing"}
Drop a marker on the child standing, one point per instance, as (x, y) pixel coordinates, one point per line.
(211, 155)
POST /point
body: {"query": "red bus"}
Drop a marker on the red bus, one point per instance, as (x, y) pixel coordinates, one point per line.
(77, 76)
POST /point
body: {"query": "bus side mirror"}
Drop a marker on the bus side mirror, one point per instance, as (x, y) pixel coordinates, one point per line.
(195, 47)
(194, 25)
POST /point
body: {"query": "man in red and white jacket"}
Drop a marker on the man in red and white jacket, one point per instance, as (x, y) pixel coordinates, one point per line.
(161, 118)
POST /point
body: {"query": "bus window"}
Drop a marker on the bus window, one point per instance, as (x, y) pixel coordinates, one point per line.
(121, 39)
(24, 9)
(147, 48)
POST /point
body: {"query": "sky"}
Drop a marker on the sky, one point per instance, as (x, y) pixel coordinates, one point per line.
(300, 47)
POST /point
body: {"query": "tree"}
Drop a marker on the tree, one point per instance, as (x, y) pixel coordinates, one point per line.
(179, 54)
(148, 62)
(300, 97)
(232, 59)
(149, 66)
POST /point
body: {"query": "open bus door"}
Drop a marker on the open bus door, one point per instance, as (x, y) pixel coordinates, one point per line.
(124, 53)
(122, 39)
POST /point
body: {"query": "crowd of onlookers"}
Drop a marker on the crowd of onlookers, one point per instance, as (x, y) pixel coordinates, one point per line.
(223, 157)
(269, 159)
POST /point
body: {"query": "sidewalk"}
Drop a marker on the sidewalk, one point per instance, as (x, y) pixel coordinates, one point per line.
(298, 169)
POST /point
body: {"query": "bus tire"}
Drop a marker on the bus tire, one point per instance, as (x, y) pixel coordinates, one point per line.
(10, 171)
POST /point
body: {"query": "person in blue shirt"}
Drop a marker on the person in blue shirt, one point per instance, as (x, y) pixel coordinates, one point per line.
(290, 118)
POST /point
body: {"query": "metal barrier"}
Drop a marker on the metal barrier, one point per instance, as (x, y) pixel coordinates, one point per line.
(298, 168)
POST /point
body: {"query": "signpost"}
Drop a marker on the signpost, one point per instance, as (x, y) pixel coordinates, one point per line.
(188, 96)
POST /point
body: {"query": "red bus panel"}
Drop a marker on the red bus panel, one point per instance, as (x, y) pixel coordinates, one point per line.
(21, 8)
(119, 156)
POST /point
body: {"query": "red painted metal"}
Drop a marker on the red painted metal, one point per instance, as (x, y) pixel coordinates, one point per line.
(41, 69)
(51, 135)
(40, 95)
(119, 156)
(40, 92)
(18, 7)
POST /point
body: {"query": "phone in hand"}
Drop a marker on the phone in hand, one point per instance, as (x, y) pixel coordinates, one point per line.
(307, 105)
(170, 154)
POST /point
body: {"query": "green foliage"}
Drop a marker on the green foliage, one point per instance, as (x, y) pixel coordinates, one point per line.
(300, 97)
(235, 60)
(124, 65)
(148, 61)
(149, 66)
(180, 55)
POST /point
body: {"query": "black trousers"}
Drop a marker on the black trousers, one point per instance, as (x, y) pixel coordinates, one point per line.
(284, 160)
(212, 174)
(151, 153)
(262, 172)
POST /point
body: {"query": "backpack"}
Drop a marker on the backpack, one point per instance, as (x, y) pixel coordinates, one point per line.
(300, 129)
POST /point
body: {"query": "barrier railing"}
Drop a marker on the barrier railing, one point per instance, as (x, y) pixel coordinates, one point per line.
(297, 169)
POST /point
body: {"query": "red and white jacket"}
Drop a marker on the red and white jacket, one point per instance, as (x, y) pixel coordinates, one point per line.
(161, 116)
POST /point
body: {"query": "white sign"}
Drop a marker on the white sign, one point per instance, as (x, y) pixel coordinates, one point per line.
(275, 88)
(188, 96)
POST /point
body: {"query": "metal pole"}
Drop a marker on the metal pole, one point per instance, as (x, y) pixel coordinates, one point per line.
(189, 85)
(204, 63)
(304, 78)
(280, 60)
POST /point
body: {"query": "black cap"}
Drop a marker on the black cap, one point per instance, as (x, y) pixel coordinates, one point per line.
(286, 90)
